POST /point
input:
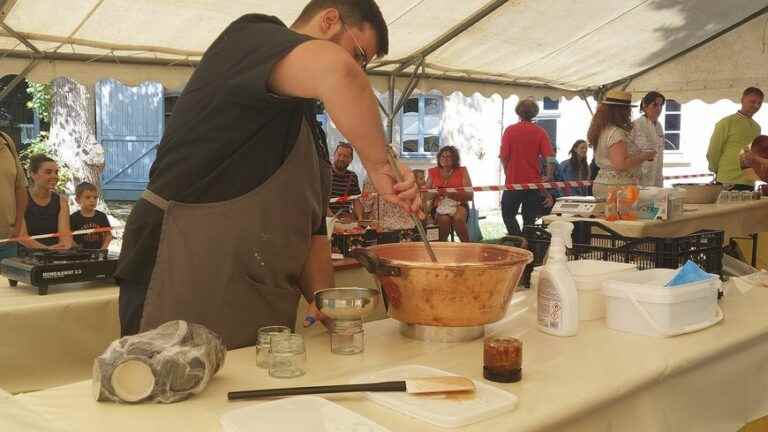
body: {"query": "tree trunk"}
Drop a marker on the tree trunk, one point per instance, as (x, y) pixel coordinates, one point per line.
(73, 133)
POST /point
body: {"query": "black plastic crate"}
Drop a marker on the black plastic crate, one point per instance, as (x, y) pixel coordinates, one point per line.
(593, 241)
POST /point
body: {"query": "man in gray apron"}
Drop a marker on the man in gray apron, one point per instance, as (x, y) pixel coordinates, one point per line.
(231, 229)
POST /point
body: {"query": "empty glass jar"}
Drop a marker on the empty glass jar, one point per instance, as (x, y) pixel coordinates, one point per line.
(262, 348)
(288, 356)
(347, 337)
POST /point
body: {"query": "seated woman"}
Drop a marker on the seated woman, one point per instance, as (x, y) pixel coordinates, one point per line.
(576, 168)
(47, 212)
(616, 154)
(451, 208)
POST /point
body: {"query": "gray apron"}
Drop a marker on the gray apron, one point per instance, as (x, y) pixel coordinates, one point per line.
(234, 266)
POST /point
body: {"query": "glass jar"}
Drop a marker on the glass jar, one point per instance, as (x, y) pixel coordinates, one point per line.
(288, 356)
(502, 359)
(262, 346)
(347, 337)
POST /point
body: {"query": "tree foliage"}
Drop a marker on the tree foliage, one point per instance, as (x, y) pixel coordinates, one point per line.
(41, 99)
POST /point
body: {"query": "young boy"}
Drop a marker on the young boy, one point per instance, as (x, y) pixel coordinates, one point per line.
(88, 217)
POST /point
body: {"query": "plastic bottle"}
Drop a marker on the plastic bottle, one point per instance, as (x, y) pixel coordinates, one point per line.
(557, 298)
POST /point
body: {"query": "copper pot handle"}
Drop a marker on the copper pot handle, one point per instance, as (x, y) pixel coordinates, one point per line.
(516, 241)
(372, 263)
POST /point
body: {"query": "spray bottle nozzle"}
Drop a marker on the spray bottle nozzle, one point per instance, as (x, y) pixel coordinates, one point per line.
(561, 230)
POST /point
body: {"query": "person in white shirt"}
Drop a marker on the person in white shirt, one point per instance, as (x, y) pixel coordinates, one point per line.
(648, 134)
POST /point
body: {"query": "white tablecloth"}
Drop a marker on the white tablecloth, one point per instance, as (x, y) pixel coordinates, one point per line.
(599, 380)
(52, 339)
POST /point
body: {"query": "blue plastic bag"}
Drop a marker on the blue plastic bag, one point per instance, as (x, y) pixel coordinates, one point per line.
(689, 273)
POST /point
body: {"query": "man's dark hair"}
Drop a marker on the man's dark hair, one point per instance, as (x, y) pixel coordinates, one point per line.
(345, 145)
(354, 13)
(749, 91)
(83, 187)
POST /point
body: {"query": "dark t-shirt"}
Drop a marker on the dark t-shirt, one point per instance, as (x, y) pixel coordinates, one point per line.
(79, 222)
(227, 135)
(343, 184)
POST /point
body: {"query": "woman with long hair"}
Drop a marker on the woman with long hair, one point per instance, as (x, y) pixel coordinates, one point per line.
(576, 167)
(616, 154)
(648, 134)
(451, 208)
(47, 212)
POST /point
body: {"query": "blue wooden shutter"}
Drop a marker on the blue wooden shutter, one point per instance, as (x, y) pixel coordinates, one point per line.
(129, 125)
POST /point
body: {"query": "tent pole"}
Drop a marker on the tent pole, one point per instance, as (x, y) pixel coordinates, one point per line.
(460, 28)
(19, 78)
(391, 113)
(21, 39)
(589, 107)
(413, 81)
(5, 8)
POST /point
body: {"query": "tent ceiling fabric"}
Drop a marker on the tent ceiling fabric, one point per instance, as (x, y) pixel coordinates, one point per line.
(559, 47)
(718, 70)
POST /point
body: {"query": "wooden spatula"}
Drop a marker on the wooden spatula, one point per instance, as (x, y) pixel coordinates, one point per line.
(443, 384)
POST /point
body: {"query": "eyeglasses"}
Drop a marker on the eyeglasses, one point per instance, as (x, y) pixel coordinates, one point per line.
(361, 56)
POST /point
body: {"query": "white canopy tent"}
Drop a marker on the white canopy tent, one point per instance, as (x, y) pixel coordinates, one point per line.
(526, 47)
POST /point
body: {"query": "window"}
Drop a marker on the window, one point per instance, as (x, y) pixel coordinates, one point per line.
(547, 119)
(421, 125)
(672, 125)
(550, 104)
(549, 125)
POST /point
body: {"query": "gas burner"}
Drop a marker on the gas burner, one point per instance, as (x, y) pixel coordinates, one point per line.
(44, 267)
(46, 256)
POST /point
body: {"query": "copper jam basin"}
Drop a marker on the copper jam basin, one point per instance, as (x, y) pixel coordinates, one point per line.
(470, 285)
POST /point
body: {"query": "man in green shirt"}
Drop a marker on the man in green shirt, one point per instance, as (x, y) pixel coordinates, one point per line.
(731, 135)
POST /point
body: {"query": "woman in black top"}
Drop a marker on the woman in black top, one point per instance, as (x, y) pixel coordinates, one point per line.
(47, 212)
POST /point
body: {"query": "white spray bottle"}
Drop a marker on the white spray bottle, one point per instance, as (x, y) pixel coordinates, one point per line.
(557, 298)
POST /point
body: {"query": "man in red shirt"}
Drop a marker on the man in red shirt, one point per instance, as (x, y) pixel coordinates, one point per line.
(523, 146)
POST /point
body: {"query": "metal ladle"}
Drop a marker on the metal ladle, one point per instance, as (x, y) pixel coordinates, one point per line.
(416, 221)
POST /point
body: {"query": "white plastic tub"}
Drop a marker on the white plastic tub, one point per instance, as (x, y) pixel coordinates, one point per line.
(640, 303)
(589, 276)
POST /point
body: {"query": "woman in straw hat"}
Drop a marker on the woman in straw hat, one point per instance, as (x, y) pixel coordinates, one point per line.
(618, 157)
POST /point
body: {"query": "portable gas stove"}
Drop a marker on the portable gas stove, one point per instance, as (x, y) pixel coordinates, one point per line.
(42, 268)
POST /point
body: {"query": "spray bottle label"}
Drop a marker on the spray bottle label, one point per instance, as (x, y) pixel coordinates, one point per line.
(550, 305)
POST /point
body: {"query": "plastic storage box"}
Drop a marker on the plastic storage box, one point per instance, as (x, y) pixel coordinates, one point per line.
(589, 276)
(640, 303)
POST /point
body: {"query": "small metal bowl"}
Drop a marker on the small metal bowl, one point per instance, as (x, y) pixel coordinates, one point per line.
(347, 303)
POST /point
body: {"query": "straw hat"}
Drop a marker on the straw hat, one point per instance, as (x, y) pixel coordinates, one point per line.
(618, 97)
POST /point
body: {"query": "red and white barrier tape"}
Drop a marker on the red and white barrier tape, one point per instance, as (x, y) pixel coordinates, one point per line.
(44, 236)
(688, 176)
(523, 186)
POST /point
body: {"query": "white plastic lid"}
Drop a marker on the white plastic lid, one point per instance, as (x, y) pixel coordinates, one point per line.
(648, 286)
